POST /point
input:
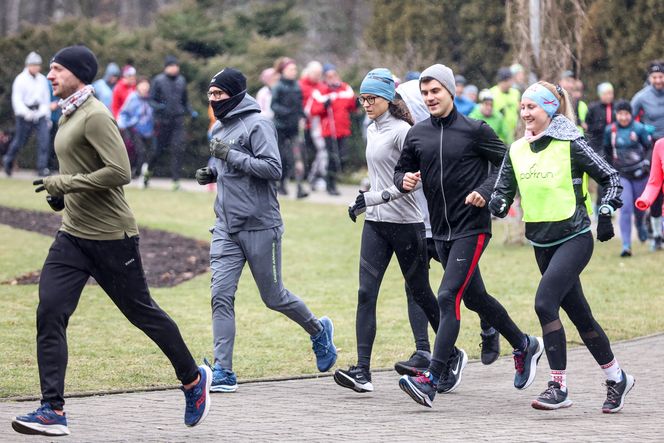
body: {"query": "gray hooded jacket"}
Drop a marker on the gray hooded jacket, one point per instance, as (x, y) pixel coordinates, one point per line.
(246, 180)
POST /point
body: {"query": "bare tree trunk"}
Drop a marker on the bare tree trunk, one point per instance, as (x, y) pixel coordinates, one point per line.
(560, 37)
(12, 16)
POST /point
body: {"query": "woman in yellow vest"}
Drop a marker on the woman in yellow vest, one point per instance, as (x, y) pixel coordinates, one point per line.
(549, 168)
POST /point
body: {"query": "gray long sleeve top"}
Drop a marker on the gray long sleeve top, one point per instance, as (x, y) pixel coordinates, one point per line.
(385, 138)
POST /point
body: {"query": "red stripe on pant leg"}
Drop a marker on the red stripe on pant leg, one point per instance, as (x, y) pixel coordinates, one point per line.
(473, 265)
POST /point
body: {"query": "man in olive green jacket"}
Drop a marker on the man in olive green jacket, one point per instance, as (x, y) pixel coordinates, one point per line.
(98, 239)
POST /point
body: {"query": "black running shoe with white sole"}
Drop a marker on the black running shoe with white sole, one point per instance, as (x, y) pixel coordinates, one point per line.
(490, 347)
(356, 378)
(616, 392)
(417, 363)
(552, 398)
(451, 379)
(525, 362)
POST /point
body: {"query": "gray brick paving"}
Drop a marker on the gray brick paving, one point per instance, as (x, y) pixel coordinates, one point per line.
(486, 407)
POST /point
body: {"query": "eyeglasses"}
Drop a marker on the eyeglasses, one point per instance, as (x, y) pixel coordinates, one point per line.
(215, 94)
(370, 100)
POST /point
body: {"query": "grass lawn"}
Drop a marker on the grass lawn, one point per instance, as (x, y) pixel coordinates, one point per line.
(321, 253)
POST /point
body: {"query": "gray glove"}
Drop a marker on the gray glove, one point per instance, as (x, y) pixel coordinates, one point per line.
(219, 149)
(205, 176)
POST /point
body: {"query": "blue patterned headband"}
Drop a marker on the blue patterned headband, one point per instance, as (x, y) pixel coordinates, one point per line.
(543, 97)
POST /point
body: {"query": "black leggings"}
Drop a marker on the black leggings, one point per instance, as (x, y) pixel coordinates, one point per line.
(419, 323)
(380, 240)
(560, 287)
(462, 280)
(117, 268)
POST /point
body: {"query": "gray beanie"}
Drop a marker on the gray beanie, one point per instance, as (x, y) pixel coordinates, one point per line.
(441, 73)
(33, 59)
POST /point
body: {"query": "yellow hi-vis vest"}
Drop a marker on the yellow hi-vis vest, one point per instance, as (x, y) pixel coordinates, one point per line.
(545, 181)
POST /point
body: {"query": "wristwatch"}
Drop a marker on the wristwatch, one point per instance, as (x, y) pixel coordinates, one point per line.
(605, 210)
(386, 196)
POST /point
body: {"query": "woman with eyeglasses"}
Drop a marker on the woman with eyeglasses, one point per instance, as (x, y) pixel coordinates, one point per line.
(393, 226)
(549, 168)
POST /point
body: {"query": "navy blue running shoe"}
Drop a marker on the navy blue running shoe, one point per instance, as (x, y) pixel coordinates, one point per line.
(198, 398)
(420, 388)
(323, 346)
(43, 421)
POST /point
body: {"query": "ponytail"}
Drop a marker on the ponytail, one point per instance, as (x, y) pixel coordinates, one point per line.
(398, 109)
(565, 109)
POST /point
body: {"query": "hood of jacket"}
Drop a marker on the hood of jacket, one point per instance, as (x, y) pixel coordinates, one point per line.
(561, 128)
(248, 104)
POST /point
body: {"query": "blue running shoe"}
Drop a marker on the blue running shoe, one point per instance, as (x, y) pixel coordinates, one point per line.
(198, 398)
(323, 346)
(420, 388)
(642, 232)
(223, 380)
(43, 421)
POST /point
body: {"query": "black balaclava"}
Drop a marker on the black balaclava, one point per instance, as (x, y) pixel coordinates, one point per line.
(233, 83)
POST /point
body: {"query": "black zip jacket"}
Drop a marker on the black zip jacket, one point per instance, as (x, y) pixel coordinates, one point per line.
(584, 159)
(287, 105)
(596, 121)
(168, 97)
(453, 154)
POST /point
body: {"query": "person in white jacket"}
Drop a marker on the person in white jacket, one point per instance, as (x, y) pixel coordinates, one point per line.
(393, 226)
(31, 101)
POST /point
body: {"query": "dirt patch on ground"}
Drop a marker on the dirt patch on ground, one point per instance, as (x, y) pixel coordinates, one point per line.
(168, 259)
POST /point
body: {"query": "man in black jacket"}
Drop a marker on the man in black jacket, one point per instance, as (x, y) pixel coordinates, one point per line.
(450, 154)
(168, 97)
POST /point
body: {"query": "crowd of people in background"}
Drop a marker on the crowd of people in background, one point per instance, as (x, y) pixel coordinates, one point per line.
(312, 109)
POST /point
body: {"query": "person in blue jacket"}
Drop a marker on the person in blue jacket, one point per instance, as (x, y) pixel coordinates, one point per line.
(136, 123)
(627, 144)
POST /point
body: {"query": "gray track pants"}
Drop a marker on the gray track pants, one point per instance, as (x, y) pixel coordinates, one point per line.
(262, 250)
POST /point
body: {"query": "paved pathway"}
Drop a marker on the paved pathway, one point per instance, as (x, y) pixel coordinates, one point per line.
(485, 408)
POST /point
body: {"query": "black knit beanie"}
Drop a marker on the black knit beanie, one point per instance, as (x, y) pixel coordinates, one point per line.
(623, 105)
(229, 80)
(79, 60)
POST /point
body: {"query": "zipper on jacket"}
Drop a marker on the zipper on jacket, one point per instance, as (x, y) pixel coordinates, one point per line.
(442, 188)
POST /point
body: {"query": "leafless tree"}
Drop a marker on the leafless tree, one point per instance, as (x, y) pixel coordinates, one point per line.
(560, 31)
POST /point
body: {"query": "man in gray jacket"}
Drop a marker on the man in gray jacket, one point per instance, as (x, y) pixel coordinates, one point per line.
(246, 169)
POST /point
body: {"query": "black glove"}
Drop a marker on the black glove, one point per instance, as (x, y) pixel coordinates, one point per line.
(327, 103)
(352, 214)
(604, 228)
(219, 149)
(205, 176)
(360, 203)
(56, 203)
(359, 207)
(40, 185)
(498, 207)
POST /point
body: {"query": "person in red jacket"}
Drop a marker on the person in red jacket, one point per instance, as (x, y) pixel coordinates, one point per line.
(123, 88)
(334, 105)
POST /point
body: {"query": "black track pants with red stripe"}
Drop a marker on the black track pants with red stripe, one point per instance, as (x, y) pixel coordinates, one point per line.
(462, 280)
